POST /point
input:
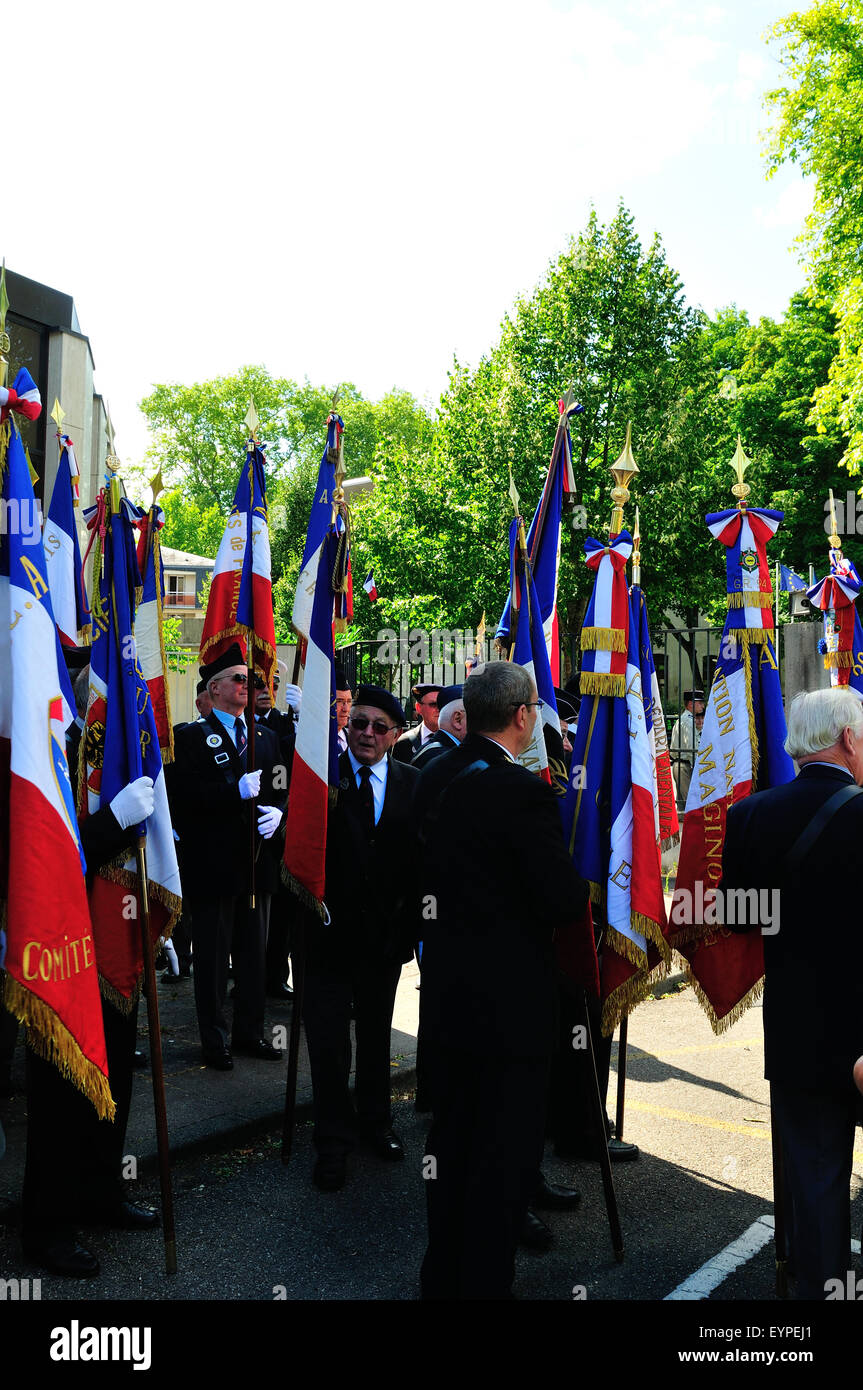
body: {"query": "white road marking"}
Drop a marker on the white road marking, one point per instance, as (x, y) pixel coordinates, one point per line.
(702, 1283)
(711, 1274)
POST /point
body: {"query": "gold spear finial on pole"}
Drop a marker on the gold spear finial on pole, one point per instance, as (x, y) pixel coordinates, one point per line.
(4, 336)
(157, 485)
(740, 463)
(58, 415)
(636, 550)
(251, 422)
(835, 542)
(513, 495)
(112, 463)
(623, 471)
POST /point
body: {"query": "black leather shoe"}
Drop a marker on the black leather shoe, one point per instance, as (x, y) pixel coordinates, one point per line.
(279, 990)
(260, 1048)
(220, 1058)
(124, 1216)
(330, 1172)
(62, 1256)
(551, 1196)
(534, 1234)
(387, 1146)
(621, 1152)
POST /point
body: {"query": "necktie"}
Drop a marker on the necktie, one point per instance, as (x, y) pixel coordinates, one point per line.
(240, 730)
(367, 801)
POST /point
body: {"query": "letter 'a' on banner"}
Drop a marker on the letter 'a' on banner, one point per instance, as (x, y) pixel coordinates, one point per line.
(741, 751)
(46, 944)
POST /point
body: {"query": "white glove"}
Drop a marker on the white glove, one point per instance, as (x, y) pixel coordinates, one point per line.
(250, 784)
(134, 803)
(269, 820)
(293, 697)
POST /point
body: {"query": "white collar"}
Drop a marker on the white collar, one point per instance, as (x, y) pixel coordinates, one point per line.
(378, 769)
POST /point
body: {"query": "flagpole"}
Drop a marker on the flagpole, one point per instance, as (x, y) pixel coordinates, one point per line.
(150, 991)
(298, 944)
(251, 423)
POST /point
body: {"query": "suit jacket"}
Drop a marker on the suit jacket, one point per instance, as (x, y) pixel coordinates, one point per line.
(282, 725)
(813, 994)
(407, 747)
(370, 883)
(501, 880)
(441, 742)
(209, 815)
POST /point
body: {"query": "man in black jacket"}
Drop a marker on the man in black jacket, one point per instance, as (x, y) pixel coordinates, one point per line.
(357, 957)
(425, 696)
(478, 809)
(213, 799)
(807, 904)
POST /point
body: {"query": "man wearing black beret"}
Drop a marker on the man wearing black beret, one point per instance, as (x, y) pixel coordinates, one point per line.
(357, 958)
(213, 799)
(426, 705)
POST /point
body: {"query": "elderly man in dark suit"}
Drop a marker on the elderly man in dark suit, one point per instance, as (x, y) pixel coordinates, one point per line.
(213, 798)
(357, 958)
(426, 705)
(477, 808)
(802, 841)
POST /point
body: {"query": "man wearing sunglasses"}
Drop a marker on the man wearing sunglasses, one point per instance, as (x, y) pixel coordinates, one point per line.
(356, 960)
(214, 799)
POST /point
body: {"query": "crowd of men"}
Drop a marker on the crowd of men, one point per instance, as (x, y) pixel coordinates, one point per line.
(441, 844)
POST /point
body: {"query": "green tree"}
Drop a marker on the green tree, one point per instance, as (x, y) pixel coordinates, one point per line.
(816, 117)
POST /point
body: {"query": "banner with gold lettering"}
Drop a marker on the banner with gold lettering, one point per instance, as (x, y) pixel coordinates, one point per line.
(46, 944)
(741, 751)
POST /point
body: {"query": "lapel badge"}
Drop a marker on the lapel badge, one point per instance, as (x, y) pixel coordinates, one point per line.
(214, 741)
(344, 784)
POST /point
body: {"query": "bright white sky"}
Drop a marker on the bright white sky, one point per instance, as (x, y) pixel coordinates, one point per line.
(358, 192)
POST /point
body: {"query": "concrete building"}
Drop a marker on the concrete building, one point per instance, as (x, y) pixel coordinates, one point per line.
(46, 338)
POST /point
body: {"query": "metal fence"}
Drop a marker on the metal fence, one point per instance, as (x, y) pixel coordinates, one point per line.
(371, 663)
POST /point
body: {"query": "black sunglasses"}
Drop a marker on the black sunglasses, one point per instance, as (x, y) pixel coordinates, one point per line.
(360, 722)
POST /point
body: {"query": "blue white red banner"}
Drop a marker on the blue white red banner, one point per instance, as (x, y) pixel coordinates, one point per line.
(49, 959)
(121, 744)
(315, 772)
(63, 553)
(320, 520)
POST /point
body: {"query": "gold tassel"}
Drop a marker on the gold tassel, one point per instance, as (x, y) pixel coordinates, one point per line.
(50, 1038)
(627, 997)
(749, 636)
(602, 683)
(750, 600)
(721, 1025)
(835, 660)
(603, 639)
(753, 737)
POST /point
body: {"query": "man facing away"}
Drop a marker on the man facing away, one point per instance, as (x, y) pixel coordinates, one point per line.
(477, 809)
(813, 958)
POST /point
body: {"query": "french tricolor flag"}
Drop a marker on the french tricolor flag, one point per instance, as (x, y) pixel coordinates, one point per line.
(371, 587)
(148, 626)
(22, 396)
(50, 963)
(62, 552)
(241, 594)
(319, 525)
(315, 773)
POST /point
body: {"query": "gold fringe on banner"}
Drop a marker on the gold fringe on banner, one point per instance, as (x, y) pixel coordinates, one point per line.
(301, 891)
(753, 736)
(721, 1025)
(627, 996)
(603, 639)
(50, 1038)
(167, 753)
(750, 600)
(834, 660)
(602, 683)
(751, 636)
(235, 631)
(116, 873)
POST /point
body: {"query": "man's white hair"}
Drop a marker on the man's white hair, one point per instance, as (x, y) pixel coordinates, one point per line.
(817, 719)
(446, 715)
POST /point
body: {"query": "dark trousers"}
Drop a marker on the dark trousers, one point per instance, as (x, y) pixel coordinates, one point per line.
(817, 1134)
(486, 1144)
(327, 1020)
(571, 1103)
(283, 906)
(74, 1159)
(223, 927)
